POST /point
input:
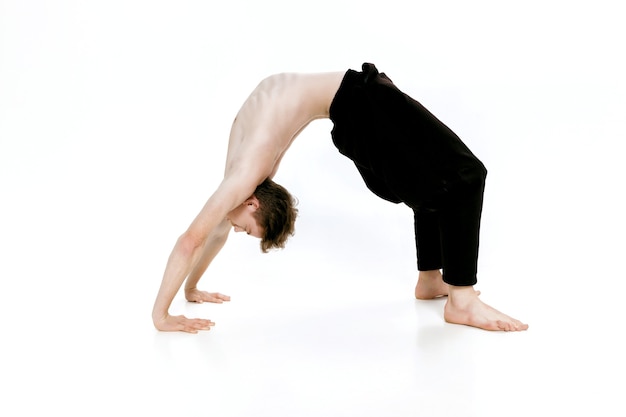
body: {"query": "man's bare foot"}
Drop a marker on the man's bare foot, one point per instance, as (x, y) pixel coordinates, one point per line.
(430, 285)
(464, 307)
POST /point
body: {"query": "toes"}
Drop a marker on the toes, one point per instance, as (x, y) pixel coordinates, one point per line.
(512, 325)
(501, 325)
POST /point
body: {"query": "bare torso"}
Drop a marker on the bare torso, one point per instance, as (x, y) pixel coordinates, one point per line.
(278, 109)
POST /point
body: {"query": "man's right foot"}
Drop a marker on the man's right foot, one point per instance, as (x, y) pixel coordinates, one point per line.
(464, 307)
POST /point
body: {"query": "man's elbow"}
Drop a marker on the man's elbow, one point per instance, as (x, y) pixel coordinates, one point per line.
(189, 242)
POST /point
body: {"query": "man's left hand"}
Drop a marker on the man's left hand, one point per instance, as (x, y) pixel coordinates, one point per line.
(196, 296)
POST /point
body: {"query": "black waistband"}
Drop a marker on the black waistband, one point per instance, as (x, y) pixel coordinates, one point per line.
(350, 79)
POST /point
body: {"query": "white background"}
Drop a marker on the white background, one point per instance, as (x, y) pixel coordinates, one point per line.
(114, 119)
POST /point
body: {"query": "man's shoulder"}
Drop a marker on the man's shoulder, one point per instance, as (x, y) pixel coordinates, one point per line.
(238, 184)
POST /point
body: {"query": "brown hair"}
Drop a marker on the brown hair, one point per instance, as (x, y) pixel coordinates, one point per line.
(276, 214)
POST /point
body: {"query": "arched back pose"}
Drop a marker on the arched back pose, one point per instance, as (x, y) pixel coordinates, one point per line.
(404, 154)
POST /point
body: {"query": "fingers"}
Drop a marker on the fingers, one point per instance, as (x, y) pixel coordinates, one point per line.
(194, 325)
(214, 297)
(219, 297)
(183, 324)
(196, 296)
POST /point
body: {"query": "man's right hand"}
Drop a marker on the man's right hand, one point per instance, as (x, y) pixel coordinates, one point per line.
(182, 324)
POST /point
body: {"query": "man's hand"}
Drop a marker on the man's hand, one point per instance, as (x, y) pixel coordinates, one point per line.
(196, 296)
(182, 324)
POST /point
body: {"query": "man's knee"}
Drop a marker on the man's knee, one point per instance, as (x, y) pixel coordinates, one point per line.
(475, 175)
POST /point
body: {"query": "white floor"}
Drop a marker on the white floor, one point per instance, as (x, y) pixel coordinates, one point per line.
(113, 126)
(308, 339)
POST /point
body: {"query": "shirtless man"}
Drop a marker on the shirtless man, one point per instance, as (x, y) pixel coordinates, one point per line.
(271, 118)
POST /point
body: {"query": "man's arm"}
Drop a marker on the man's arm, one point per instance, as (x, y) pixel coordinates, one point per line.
(188, 251)
(211, 248)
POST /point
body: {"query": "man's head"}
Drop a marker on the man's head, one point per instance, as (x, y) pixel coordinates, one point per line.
(275, 215)
(269, 214)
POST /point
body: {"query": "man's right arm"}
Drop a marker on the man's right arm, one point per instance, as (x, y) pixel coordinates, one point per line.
(184, 256)
(190, 252)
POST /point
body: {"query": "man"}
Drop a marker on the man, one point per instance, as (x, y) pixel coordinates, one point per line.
(403, 153)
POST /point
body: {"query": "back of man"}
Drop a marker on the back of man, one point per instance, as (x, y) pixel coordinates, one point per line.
(278, 109)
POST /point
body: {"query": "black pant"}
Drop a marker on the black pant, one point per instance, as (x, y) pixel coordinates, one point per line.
(448, 238)
(405, 154)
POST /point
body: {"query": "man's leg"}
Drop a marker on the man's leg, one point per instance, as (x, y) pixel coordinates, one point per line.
(460, 227)
(459, 222)
(429, 263)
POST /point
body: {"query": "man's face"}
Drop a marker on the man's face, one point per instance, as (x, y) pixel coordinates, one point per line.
(242, 218)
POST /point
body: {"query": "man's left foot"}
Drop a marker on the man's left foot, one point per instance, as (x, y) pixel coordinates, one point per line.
(430, 285)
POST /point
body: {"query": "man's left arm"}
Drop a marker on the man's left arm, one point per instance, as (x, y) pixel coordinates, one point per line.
(212, 247)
